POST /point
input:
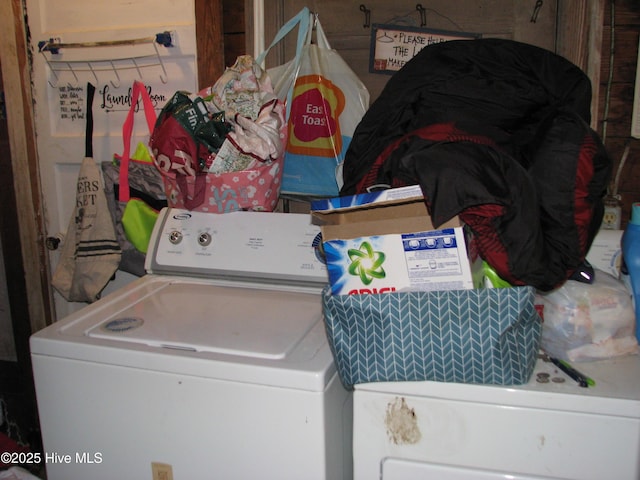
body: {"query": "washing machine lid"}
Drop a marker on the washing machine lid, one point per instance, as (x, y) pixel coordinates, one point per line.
(247, 322)
(251, 333)
(233, 296)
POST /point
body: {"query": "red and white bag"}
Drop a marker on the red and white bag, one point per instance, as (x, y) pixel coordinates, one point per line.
(222, 150)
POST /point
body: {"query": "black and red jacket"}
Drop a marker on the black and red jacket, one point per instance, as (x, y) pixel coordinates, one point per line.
(497, 132)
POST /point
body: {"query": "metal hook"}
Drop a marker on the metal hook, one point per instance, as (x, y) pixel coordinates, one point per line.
(55, 75)
(163, 78)
(367, 16)
(536, 11)
(74, 72)
(92, 71)
(43, 47)
(55, 84)
(115, 72)
(423, 14)
(135, 64)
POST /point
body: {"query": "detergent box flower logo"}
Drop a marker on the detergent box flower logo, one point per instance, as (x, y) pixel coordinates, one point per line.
(314, 128)
(366, 263)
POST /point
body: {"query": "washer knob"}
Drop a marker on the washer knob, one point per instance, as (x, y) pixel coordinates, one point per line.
(175, 237)
(204, 239)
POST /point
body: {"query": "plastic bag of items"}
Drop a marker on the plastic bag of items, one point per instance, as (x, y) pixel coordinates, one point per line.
(585, 322)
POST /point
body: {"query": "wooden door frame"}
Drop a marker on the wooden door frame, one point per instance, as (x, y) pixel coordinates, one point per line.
(16, 75)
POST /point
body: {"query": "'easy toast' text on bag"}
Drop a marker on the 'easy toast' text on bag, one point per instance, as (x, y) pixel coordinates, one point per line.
(325, 102)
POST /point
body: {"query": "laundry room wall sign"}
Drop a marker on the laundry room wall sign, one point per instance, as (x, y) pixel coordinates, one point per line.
(394, 45)
(67, 108)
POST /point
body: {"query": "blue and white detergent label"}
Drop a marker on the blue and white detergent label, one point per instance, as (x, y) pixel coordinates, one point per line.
(435, 257)
(433, 260)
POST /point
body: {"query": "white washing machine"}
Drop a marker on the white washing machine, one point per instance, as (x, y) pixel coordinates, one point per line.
(213, 365)
(549, 428)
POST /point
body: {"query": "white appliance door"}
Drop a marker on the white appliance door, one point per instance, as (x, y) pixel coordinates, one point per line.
(553, 429)
(107, 422)
(60, 79)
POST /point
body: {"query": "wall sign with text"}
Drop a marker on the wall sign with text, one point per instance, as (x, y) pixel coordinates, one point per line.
(394, 45)
(67, 109)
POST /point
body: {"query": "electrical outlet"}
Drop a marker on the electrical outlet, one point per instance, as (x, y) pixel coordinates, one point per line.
(161, 471)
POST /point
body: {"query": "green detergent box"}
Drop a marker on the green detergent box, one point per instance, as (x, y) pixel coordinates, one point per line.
(385, 241)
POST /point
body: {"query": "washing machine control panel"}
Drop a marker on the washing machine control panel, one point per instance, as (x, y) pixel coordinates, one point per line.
(279, 246)
(204, 238)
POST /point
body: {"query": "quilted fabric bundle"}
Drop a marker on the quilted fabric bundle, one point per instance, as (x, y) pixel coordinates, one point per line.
(484, 336)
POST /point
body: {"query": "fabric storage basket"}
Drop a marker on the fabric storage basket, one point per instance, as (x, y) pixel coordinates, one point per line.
(487, 335)
(256, 189)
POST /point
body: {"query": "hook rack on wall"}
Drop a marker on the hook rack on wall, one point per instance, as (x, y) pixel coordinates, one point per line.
(423, 14)
(367, 15)
(58, 64)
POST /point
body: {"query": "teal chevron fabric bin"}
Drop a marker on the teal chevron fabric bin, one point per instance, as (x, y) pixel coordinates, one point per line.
(482, 336)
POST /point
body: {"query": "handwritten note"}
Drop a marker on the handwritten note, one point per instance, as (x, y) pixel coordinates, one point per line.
(392, 46)
(71, 100)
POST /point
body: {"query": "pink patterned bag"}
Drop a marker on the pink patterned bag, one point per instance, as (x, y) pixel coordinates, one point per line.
(222, 150)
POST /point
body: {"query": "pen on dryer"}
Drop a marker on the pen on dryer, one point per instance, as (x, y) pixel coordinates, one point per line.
(580, 378)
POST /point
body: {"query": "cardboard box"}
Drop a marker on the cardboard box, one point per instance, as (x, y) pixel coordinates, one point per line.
(385, 241)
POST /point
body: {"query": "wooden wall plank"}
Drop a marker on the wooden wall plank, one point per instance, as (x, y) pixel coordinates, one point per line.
(26, 177)
(625, 52)
(210, 41)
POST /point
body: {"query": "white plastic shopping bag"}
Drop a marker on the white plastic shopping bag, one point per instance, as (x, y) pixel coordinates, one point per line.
(325, 102)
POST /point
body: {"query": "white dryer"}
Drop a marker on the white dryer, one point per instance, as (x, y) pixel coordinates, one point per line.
(548, 428)
(213, 365)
